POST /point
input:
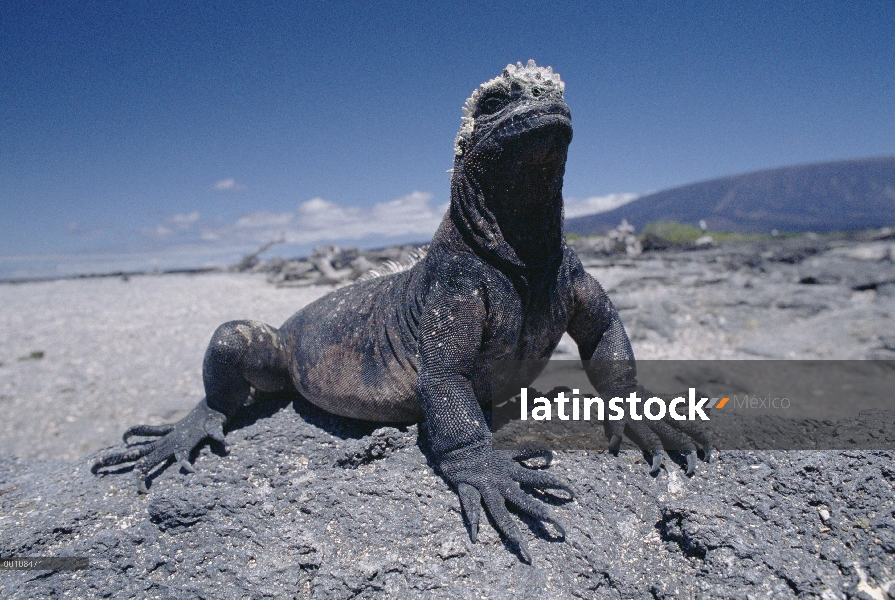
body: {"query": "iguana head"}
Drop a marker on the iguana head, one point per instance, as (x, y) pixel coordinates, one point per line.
(489, 107)
(509, 161)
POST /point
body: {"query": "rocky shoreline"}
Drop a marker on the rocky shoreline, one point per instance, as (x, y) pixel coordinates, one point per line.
(302, 504)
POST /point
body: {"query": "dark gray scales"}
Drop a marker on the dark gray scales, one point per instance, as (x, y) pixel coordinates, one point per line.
(498, 282)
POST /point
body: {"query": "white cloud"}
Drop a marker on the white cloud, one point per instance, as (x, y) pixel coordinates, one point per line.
(262, 219)
(183, 221)
(159, 232)
(175, 224)
(410, 214)
(318, 220)
(413, 217)
(318, 215)
(578, 207)
(77, 229)
(227, 185)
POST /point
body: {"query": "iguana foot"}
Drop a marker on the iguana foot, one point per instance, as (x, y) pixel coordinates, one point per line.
(482, 474)
(666, 434)
(177, 440)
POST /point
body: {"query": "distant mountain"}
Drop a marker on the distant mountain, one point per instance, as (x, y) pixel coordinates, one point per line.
(822, 197)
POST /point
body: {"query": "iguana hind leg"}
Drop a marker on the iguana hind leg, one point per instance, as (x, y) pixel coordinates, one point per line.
(242, 355)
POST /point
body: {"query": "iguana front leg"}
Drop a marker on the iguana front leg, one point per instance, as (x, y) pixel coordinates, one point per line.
(609, 362)
(451, 336)
(241, 355)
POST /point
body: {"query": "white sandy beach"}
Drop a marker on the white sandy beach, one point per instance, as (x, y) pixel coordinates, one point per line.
(116, 353)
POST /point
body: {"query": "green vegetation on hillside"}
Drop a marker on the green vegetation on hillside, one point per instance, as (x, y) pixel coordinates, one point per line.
(681, 233)
(678, 233)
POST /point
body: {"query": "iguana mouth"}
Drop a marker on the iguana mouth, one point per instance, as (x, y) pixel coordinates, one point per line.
(533, 120)
(536, 136)
(538, 132)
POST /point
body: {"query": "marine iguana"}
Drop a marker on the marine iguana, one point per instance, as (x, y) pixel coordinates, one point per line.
(498, 282)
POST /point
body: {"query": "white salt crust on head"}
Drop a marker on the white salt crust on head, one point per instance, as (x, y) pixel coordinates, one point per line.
(529, 77)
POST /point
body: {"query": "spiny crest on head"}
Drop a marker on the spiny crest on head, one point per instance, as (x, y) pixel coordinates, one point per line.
(529, 77)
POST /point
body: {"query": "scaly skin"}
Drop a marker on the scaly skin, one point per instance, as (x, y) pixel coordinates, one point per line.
(498, 282)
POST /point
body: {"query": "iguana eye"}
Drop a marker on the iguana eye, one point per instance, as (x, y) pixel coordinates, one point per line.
(491, 105)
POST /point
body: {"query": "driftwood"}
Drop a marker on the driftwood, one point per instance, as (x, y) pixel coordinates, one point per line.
(251, 260)
(334, 265)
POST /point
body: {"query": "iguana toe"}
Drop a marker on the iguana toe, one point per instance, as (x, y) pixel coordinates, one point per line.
(541, 480)
(656, 462)
(470, 501)
(215, 430)
(496, 506)
(530, 453)
(691, 462)
(117, 458)
(147, 430)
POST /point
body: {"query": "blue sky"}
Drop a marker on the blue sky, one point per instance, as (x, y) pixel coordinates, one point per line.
(135, 134)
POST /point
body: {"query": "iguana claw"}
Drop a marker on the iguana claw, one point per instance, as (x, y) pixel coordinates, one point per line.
(656, 462)
(141, 483)
(691, 461)
(174, 440)
(523, 550)
(215, 430)
(615, 442)
(181, 459)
